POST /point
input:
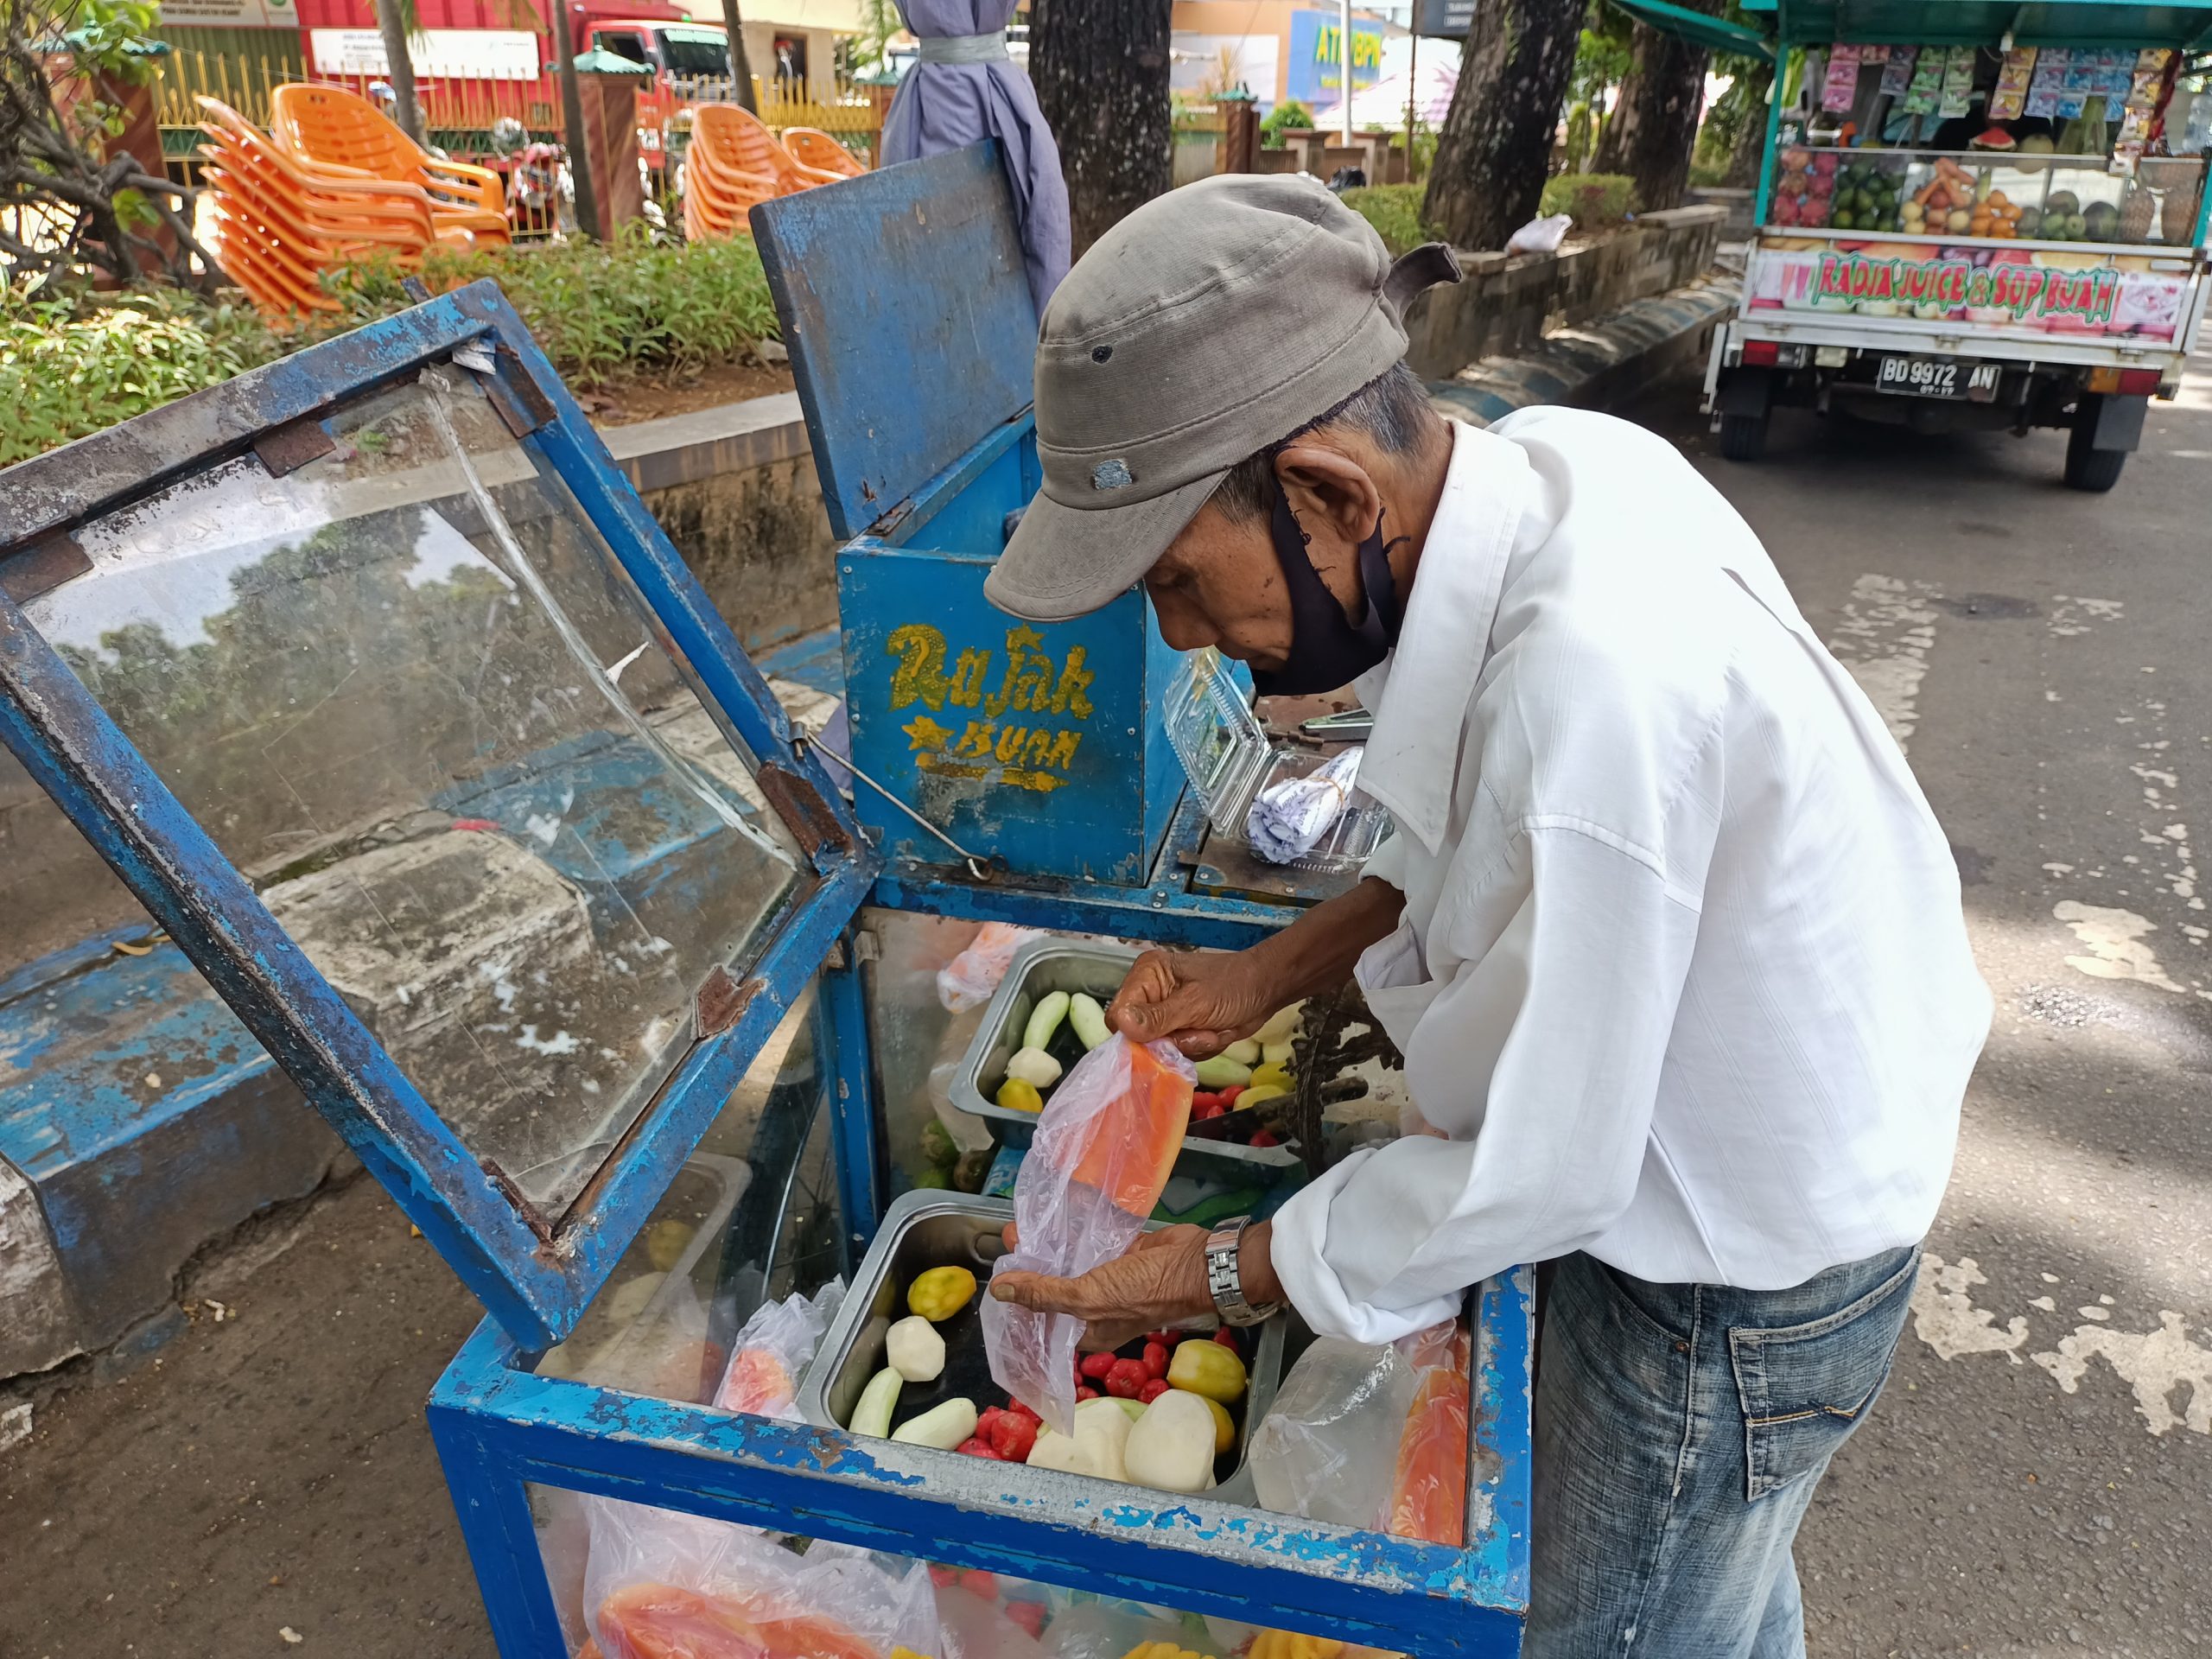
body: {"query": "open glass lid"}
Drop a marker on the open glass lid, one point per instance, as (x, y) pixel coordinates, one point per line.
(382, 692)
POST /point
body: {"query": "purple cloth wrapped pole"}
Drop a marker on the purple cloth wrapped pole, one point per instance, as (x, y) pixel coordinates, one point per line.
(966, 88)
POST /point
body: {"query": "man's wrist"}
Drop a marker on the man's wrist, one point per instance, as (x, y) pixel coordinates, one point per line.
(1255, 1265)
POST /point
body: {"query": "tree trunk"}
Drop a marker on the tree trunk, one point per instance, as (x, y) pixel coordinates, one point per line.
(1749, 148)
(393, 17)
(1494, 147)
(740, 66)
(1655, 122)
(1101, 70)
(572, 118)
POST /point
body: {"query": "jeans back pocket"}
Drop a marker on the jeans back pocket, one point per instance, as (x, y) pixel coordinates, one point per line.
(1805, 1387)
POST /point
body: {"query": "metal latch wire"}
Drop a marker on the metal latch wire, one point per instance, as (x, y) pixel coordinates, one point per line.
(976, 866)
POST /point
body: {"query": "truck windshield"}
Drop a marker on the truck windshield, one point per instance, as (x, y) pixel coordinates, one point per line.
(695, 55)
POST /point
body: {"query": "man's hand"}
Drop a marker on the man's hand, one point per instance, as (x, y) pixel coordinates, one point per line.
(1161, 1281)
(1200, 1002)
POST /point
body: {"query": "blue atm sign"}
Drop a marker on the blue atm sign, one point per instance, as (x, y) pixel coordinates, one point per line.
(1316, 74)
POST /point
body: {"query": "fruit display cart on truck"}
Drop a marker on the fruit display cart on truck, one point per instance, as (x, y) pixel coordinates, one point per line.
(700, 1075)
(1971, 214)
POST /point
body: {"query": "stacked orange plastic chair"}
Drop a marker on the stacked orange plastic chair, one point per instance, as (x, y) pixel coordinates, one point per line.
(281, 221)
(341, 129)
(810, 147)
(733, 163)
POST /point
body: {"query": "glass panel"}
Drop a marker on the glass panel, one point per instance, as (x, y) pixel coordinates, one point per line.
(412, 695)
(752, 1215)
(1986, 196)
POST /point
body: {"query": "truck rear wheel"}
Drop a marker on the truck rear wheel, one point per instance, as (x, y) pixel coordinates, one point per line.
(2088, 467)
(1743, 437)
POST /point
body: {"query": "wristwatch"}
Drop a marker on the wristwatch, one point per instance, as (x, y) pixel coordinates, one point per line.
(1226, 1281)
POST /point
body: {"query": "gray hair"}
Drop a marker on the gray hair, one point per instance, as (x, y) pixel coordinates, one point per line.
(1393, 409)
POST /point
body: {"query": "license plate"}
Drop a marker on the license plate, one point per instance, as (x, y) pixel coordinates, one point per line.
(1936, 377)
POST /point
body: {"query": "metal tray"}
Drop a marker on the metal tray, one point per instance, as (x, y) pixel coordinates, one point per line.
(928, 1230)
(1039, 968)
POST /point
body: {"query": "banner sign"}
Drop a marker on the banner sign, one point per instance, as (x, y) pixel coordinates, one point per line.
(437, 54)
(2017, 291)
(1316, 74)
(230, 14)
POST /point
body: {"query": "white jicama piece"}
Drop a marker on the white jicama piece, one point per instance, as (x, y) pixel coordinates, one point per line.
(1034, 1067)
(1281, 1024)
(1246, 1052)
(1171, 1446)
(1101, 1430)
(913, 1349)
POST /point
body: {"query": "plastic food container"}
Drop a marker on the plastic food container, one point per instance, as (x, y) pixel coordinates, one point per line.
(1224, 751)
(1040, 968)
(922, 1230)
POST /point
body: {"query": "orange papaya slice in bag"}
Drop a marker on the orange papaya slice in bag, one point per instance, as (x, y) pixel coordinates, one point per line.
(1128, 1148)
(1428, 1498)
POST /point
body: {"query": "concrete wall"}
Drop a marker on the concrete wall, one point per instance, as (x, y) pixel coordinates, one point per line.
(1508, 303)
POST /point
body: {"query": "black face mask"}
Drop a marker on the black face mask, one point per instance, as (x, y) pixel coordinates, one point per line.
(1326, 652)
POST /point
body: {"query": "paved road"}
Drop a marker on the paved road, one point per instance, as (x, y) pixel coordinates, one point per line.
(2038, 1479)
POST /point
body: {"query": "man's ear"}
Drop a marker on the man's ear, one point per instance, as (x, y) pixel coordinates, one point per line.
(1326, 486)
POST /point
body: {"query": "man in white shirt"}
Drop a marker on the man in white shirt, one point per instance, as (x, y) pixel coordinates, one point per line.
(1668, 936)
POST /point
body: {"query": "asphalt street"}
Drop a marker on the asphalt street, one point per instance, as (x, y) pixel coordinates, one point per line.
(2036, 1481)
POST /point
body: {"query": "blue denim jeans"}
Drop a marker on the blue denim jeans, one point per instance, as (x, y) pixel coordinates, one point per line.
(1679, 1431)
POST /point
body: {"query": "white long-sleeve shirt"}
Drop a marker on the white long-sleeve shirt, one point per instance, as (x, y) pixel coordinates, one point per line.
(1683, 976)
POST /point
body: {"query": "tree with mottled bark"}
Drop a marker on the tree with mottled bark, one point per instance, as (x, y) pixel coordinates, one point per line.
(1101, 70)
(397, 23)
(741, 62)
(572, 118)
(71, 199)
(1655, 124)
(1749, 148)
(1494, 147)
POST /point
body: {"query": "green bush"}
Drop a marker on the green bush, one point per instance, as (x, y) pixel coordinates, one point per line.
(1288, 113)
(72, 364)
(1595, 200)
(1394, 212)
(602, 310)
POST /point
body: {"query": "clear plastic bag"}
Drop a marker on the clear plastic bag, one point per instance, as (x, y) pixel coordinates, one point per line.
(968, 979)
(667, 1585)
(1428, 1490)
(773, 1348)
(1541, 235)
(1105, 1145)
(1328, 1446)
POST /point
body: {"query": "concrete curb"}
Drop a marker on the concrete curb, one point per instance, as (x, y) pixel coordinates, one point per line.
(1591, 365)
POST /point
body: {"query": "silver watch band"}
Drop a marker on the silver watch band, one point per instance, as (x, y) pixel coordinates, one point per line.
(1225, 1279)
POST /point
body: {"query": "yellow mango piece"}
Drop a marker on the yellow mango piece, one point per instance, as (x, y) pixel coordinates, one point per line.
(1264, 1075)
(1207, 1367)
(1019, 1095)
(941, 1293)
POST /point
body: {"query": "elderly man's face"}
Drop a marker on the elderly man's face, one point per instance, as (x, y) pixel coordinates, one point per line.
(1219, 583)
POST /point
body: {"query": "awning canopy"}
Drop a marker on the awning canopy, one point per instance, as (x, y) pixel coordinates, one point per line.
(1713, 33)
(1976, 23)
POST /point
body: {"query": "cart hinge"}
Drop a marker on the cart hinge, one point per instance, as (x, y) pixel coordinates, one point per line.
(42, 567)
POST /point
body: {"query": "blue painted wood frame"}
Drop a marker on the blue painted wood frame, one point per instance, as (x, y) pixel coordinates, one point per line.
(534, 1273)
(497, 1427)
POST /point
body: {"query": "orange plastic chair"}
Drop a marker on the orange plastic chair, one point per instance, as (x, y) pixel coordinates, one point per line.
(281, 221)
(341, 129)
(810, 147)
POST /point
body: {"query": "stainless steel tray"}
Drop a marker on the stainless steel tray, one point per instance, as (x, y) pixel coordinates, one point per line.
(1039, 968)
(928, 1230)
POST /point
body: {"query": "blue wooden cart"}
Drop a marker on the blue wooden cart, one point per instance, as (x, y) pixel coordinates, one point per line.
(378, 686)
